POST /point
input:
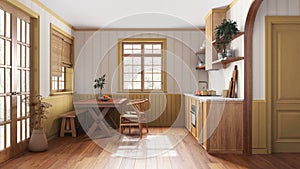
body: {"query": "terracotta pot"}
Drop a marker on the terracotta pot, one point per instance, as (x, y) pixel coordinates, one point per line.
(38, 141)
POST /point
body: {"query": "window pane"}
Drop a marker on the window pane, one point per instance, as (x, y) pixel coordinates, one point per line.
(127, 77)
(18, 29)
(1, 22)
(8, 23)
(2, 137)
(127, 85)
(137, 51)
(19, 55)
(2, 108)
(8, 79)
(127, 51)
(23, 56)
(23, 130)
(156, 69)
(157, 60)
(27, 57)
(8, 108)
(148, 60)
(18, 81)
(148, 69)
(1, 80)
(157, 85)
(127, 61)
(1, 51)
(137, 77)
(23, 106)
(23, 31)
(157, 51)
(137, 85)
(148, 85)
(148, 46)
(137, 61)
(18, 131)
(148, 51)
(157, 46)
(127, 69)
(127, 46)
(156, 77)
(27, 33)
(137, 69)
(7, 135)
(28, 128)
(137, 46)
(27, 81)
(23, 81)
(148, 77)
(7, 52)
(19, 106)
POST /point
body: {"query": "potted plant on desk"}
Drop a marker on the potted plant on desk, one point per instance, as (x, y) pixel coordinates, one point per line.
(99, 83)
(224, 34)
(39, 109)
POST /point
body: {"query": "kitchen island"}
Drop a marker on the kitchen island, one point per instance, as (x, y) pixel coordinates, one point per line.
(216, 122)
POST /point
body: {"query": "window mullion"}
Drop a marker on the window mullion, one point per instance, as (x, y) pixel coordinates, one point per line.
(142, 67)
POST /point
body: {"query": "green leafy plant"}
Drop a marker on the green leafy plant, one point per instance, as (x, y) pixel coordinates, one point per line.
(99, 82)
(224, 34)
(39, 110)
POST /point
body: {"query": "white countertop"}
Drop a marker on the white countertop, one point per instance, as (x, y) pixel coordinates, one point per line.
(213, 98)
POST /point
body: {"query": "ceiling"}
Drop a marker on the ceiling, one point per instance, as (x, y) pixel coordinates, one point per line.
(134, 13)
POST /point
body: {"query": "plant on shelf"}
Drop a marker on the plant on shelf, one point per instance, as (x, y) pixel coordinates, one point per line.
(38, 112)
(224, 34)
(99, 83)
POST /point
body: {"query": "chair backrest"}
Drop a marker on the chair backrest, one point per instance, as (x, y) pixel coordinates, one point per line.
(139, 105)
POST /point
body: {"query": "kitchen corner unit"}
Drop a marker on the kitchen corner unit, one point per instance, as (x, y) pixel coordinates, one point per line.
(216, 122)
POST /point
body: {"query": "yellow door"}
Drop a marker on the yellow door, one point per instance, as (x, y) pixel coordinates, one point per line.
(285, 73)
(14, 81)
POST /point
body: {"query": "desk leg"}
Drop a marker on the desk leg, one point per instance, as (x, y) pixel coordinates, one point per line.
(99, 121)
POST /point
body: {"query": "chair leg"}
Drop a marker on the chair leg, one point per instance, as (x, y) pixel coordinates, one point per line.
(141, 129)
(147, 127)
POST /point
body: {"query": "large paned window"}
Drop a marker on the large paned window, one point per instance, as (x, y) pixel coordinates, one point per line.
(61, 62)
(143, 65)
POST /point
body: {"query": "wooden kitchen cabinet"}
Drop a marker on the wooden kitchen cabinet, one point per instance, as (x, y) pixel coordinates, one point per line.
(219, 123)
(223, 126)
(212, 20)
(189, 103)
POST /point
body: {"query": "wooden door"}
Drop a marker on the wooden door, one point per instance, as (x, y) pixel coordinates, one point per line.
(285, 86)
(14, 81)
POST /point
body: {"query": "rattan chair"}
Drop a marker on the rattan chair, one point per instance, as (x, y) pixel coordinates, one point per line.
(135, 118)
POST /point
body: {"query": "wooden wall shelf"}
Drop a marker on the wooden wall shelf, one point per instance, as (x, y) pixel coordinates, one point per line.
(227, 60)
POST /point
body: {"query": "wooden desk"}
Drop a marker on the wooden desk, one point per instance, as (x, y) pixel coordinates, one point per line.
(93, 106)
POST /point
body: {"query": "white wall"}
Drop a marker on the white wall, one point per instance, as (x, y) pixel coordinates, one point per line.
(96, 52)
(268, 8)
(219, 80)
(45, 19)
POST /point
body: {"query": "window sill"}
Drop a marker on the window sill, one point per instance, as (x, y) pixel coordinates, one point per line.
(61, 93)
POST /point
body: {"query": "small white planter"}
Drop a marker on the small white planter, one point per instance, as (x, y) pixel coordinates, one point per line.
(38, 141)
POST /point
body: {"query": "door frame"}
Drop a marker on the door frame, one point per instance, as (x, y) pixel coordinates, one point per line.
(34, 58)
(269, 22)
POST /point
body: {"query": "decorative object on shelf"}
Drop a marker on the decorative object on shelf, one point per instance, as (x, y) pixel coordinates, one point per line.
(224, 34)
(39, 109)
(232, 84)
(229, 53)
(99, 83)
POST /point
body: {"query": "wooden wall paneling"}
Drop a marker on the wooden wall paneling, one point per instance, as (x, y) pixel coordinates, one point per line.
(259, 127)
